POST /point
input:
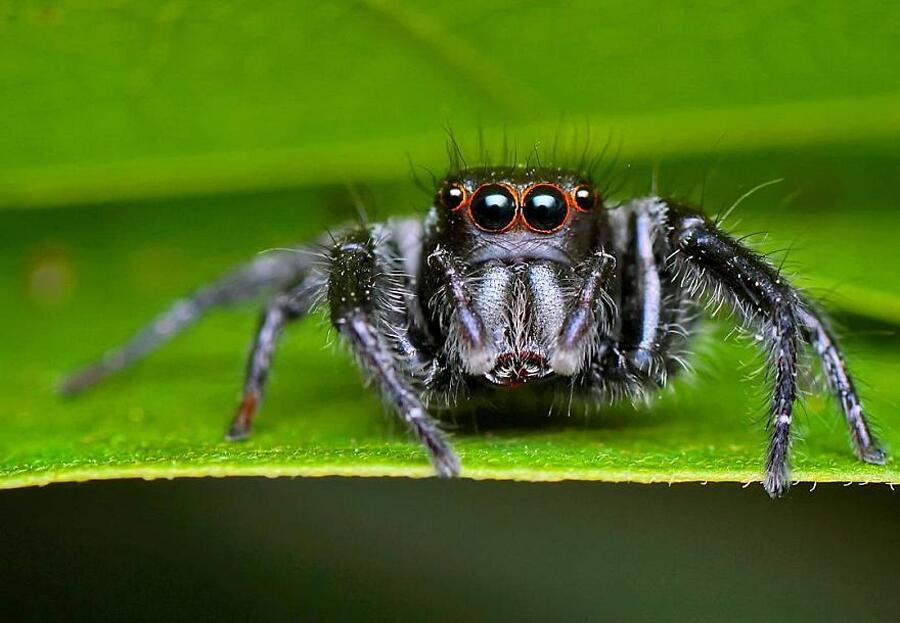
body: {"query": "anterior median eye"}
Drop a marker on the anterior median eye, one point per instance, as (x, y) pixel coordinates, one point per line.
(545, 209)
(493, 208)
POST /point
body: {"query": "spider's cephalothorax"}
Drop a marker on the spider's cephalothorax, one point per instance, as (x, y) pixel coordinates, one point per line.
(520, 276)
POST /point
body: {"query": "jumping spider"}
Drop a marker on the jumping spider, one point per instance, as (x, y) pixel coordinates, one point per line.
(523, 275)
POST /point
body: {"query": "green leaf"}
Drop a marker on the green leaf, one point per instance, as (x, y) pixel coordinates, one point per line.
(82, 280)
(115, 111)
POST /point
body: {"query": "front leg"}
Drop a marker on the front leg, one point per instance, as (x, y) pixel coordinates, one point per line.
(360, 311)
(714, 261)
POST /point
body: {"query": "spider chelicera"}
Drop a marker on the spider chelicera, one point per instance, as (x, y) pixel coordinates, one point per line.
(523, 276)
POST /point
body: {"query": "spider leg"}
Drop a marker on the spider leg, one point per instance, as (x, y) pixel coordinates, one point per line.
(359, 312)
(267, 272)
(283, 309)
(865, 446)
(578, 336)
(760, 295)
(642, 292)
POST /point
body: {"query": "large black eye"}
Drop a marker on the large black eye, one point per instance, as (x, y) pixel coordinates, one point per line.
(452, 196)
(493, 208)
(545, 208)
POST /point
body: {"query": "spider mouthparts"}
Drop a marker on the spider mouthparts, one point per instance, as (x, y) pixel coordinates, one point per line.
(514, 369)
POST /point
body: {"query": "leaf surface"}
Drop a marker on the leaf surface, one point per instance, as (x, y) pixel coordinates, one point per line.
(84, 279)
(170, 140)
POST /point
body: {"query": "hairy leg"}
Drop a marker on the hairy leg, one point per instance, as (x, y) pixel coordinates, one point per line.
(865, 446)
(360, 313)
(267, 272)
(713, 260)
(283, 309)
(759, 293)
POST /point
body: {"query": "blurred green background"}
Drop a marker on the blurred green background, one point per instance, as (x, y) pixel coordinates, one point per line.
(146, 147)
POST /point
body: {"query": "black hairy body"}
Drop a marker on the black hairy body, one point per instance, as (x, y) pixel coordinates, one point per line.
(523, 277)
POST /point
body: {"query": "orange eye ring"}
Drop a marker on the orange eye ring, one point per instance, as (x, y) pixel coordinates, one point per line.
(494, 208)
(584, 198)
(453, 196)
(545, 208)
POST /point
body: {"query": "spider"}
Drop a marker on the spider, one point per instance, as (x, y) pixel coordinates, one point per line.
(522, 276)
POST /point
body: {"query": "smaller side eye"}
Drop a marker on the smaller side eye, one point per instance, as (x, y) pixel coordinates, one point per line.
(585, 199)
(452, 196)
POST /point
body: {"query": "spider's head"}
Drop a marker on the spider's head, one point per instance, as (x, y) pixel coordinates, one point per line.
(515, 214)
(521, 234)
